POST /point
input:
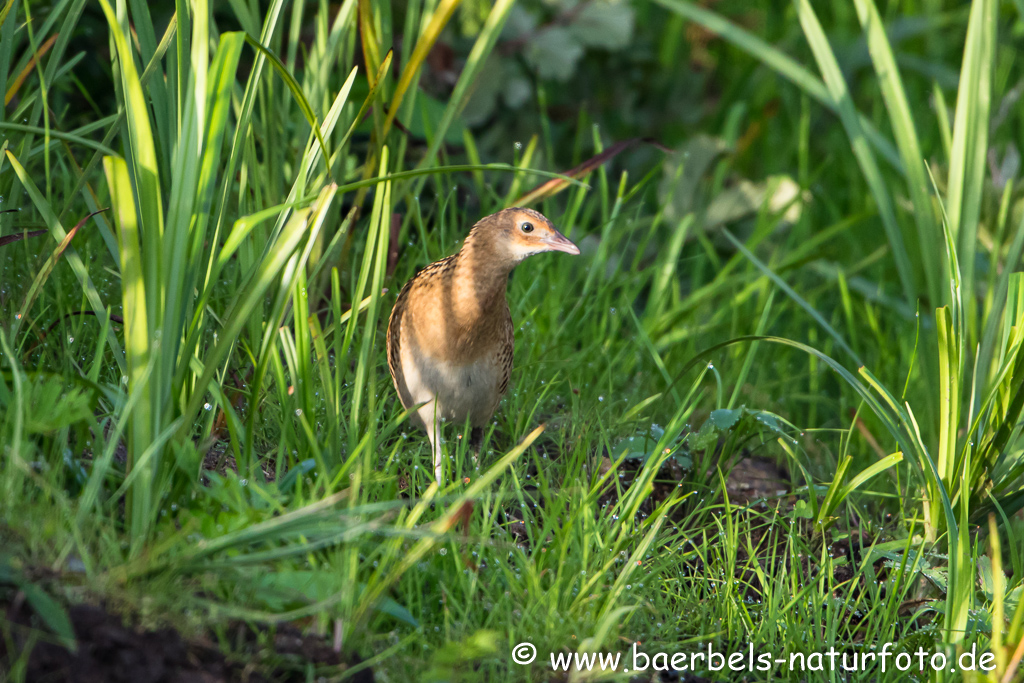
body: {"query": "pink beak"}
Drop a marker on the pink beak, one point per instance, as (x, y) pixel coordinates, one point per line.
(559, 242)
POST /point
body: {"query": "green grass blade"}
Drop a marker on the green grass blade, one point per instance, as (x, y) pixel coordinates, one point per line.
(967, 163)
(44, 273)
(904, 130)
(295, 89)
(791, 293)
(411, 69)
(836, 84)
(144, 165)
(482, 48)
(58, 135)
(869, 472)
(381, 580)
(782, 64)
(75, 261)
(136, 333)
(374, 263)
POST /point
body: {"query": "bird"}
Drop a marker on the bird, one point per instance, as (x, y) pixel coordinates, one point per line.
(450, 335)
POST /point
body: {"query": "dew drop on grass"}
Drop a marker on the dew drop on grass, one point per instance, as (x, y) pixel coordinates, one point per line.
(207, 406)
(298, 412)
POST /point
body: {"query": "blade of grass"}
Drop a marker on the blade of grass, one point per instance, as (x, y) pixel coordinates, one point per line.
(295, 89)
(388, 573)
(782, 64)
(791, 293)
(967, 162)
(44, 273)
(902, 122)
(74, 260)
(136, 313)
(438, 20)
(20, 78)
(482, 48)
(836, 84)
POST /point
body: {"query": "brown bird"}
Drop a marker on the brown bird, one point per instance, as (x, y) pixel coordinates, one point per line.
(450, 334)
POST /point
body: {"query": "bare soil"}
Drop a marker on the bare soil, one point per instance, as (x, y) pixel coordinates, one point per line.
(110, 651)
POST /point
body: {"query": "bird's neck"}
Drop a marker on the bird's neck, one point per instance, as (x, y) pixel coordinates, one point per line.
(481, 274)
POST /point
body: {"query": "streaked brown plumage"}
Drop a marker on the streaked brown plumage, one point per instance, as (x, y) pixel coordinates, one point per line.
(450, 335)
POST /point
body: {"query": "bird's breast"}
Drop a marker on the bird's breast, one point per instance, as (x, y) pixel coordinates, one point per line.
(456, 325)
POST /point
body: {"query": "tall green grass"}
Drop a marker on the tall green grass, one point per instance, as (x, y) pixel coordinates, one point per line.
(224, 200)
(963, 452)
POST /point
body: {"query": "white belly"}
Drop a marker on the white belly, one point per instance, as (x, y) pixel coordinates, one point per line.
(453, 392)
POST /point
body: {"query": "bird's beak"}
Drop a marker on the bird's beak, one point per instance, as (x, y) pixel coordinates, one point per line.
(559, 242)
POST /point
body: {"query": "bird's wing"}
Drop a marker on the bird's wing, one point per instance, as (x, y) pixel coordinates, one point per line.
(394, 339)
(394, 336)
(507, 349)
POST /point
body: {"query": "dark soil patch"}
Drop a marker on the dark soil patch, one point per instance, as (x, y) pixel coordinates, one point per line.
(111, 652)
(754, 478)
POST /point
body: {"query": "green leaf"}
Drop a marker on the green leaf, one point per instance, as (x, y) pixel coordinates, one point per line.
(52, 405)
(705, 438)
(802, 510)
(604, 25)
(553, 53)
(391, 607)
(725, 419)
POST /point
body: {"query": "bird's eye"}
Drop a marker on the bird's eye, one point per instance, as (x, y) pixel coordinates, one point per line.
(526, 227)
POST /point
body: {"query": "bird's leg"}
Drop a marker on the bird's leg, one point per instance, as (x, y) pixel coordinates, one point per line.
(476, 443)
(435, 447)
(431, 419)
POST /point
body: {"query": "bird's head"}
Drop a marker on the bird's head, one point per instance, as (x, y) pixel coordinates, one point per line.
(517, 233)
